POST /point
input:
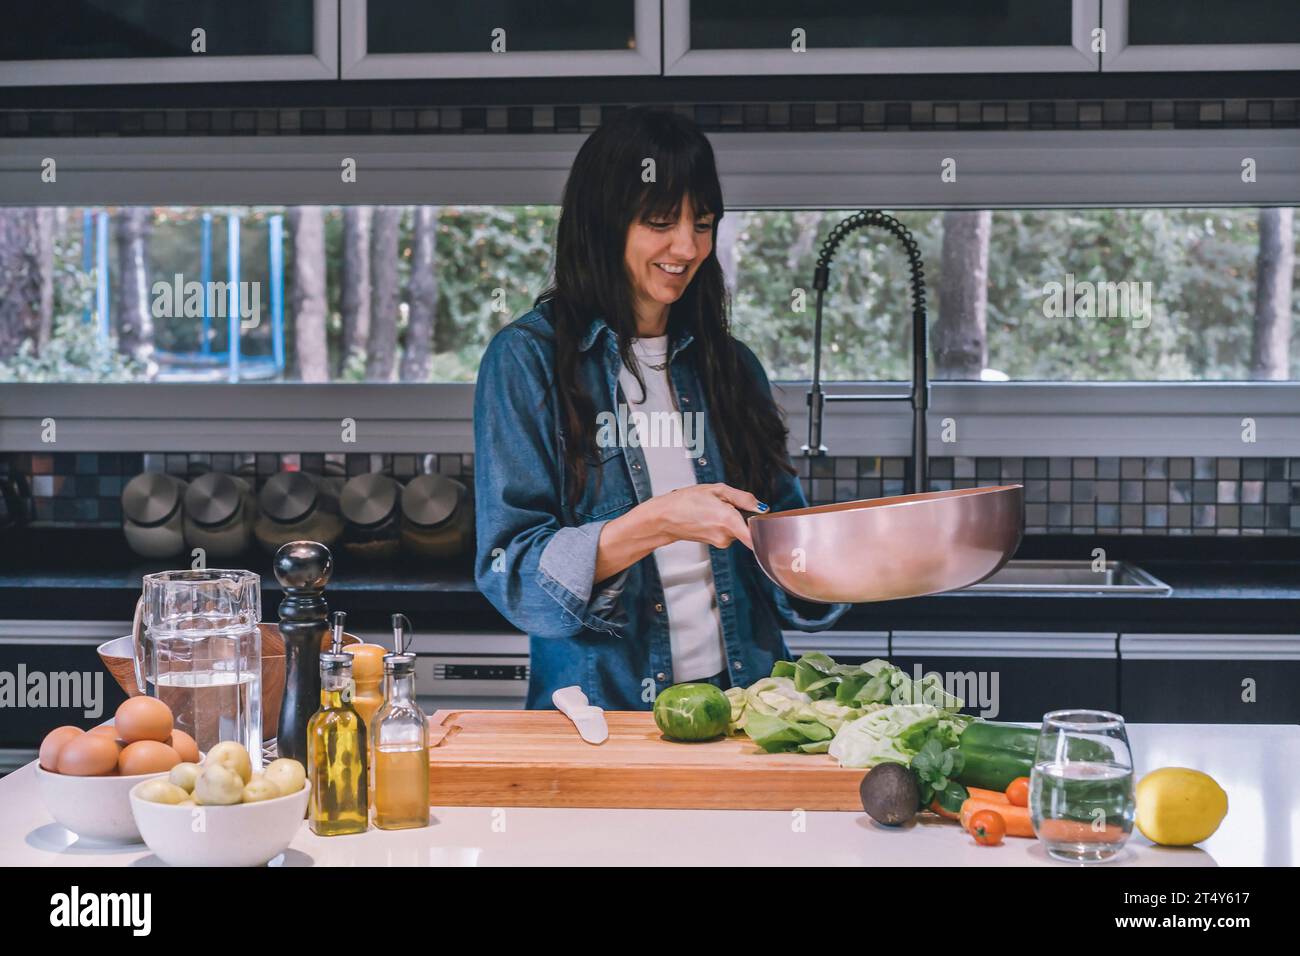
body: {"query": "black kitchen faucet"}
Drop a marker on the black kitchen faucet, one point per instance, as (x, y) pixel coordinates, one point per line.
(920, 393)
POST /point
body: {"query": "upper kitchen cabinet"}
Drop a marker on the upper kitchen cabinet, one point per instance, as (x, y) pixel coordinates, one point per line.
(386, 39)
(66, 42)
(1158, 35)
(728, 37)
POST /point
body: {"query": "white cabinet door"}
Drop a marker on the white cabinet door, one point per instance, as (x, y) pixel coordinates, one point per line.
(401, 39)
(1201, 35)
(108, 44)
(759, 37)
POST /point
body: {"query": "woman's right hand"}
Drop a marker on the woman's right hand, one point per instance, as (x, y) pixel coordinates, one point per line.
(709, 514)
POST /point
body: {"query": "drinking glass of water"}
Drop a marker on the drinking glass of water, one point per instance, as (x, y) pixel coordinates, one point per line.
(1081, 795)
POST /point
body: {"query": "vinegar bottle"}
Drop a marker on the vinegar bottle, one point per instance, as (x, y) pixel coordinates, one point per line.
(399, 743)
(336, 749)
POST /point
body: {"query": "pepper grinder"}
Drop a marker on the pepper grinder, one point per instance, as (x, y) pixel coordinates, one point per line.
(303, 569)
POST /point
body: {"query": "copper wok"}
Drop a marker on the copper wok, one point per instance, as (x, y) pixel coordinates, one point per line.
(882, 549)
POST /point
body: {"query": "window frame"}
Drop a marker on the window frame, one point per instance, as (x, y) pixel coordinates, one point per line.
(991, 418)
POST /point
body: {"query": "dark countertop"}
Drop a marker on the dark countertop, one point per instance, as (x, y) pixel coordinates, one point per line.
(1241, 586)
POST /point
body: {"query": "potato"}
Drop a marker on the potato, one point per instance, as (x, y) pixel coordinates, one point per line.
(232, 756)
(218, 786)
(287, 775)
(260, 789)
(160, 791)
(183, 775)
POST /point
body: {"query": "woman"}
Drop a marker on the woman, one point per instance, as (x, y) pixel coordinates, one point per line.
(623, 551)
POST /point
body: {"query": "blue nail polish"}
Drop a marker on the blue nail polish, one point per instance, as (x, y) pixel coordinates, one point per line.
(763, 507)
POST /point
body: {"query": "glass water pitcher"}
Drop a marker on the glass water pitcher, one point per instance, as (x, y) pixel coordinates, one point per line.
(200, 652)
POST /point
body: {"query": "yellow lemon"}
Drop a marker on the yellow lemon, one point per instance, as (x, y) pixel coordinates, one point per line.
(1179, 807)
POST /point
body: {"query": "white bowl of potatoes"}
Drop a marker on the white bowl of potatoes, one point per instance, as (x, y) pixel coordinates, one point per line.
(219, 813)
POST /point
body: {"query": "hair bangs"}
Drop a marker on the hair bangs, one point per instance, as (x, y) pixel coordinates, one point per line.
(681, 170)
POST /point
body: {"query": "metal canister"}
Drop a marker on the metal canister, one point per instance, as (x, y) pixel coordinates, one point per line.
(370, 505)
(294, 506)
(153, 514)
(220, 512)
(437, 517)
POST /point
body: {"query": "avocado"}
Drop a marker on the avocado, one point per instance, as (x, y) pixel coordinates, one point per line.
(890, 794)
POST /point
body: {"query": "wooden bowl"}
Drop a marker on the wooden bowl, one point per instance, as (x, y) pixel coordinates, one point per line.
(118, 654)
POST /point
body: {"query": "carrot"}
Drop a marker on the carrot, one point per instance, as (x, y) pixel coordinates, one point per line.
(1016, 818)
(989, 796)
(946, 814)
(1077, 831)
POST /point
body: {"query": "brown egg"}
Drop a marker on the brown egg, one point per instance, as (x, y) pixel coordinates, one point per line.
(54, 742)
(106, 730)
(143, 718)
(184, 744)
(90, 755)
(146, 756)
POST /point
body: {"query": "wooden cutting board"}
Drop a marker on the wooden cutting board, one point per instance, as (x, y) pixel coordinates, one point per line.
(519, 758)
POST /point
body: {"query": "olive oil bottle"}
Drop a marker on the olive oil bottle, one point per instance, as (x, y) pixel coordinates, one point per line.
(336, 749)
(399, 743)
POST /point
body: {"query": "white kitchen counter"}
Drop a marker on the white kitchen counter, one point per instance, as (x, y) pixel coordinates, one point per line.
(1255, 764)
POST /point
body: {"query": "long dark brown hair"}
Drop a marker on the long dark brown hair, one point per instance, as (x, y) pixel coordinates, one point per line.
(604, 195)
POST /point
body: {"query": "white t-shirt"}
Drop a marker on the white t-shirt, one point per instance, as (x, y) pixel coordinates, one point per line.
(694, 624)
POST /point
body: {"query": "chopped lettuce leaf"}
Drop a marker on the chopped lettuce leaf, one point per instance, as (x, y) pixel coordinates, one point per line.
(736, 697)
(776, 735)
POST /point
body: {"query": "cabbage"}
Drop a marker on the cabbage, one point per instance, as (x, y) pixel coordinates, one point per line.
(778, 717)
(770, 696)
(889, 735)
(812, 704)
(834, 715)
(879, 682)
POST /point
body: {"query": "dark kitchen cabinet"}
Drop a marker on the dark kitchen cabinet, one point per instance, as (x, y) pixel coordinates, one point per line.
(482, 38)
(1012, 675)
(1159, 35)
(847, 647)
(712, 37)
(1210, 678)
(65, 42)
(51, 675)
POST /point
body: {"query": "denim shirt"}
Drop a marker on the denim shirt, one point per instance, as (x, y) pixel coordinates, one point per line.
(536, 556)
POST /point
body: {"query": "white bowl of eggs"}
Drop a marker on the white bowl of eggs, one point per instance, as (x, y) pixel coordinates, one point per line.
(85, 777)
(221, 813)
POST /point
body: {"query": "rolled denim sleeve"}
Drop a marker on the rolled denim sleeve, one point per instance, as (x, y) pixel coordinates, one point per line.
(538, 573)
(567, 571)
(796, 612)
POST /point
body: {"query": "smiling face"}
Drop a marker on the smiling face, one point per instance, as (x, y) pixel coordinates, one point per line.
(661, 257)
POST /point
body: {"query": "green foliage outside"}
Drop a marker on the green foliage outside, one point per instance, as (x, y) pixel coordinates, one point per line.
(493, 261)
(1201, 264)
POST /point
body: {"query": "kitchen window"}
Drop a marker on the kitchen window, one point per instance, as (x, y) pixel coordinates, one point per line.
(1176, 194)
(414, 293)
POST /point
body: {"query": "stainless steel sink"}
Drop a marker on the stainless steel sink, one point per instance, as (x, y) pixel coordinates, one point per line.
(1071, 577)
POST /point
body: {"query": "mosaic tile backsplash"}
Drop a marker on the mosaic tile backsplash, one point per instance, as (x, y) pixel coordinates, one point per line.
(1144, 496)
(752, 116)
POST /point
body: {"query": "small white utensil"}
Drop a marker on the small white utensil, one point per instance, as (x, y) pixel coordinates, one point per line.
(589, 720)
